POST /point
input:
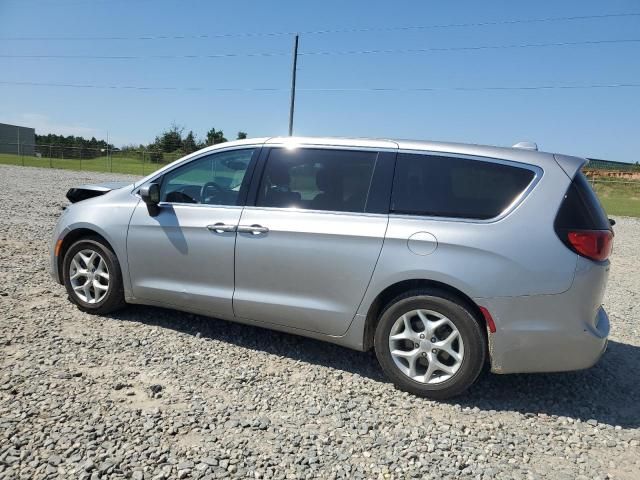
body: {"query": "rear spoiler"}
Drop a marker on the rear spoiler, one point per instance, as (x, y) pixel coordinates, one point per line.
(570, 165)
(84, 192)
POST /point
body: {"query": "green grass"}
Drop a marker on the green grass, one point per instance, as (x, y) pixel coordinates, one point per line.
(117, 163)
(619, 198)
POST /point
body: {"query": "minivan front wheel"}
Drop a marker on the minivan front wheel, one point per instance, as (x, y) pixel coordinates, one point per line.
(429, 343)
(92, 276)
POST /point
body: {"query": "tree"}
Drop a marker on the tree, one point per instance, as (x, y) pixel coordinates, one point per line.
(91, 148)
(189, 143)
(242, 135)
(170, 140)
(215, 136)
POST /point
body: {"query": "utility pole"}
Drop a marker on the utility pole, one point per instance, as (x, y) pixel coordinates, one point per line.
(293, 83)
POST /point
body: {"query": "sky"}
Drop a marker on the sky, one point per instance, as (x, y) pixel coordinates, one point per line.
(590, 122)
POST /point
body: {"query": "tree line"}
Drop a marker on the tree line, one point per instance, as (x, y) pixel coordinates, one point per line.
(174, 140)
(171, 140)
(91, 148)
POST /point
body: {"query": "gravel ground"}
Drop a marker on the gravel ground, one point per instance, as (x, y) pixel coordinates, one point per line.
(152, 393)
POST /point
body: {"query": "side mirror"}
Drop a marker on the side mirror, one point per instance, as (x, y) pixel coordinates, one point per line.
(150, 195)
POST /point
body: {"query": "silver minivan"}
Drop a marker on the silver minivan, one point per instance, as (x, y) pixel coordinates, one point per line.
(441, 257)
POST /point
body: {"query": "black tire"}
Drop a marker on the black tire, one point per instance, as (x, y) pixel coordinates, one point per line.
(114, 298)
(461, 315)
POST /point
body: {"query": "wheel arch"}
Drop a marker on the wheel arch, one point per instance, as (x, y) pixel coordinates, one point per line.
(395, 289)
(73, 236)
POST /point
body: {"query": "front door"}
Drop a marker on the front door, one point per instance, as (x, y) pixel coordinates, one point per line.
(184, 256)
(306, 251)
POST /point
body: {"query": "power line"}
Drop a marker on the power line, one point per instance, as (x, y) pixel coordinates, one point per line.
(139, 87)
(475, 47)
(334, 90)
(142, 57)
(331, 31)
(473, 89)
(328, 52)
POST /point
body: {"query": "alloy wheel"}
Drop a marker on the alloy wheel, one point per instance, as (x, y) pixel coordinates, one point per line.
(89, 276)
(426, 346)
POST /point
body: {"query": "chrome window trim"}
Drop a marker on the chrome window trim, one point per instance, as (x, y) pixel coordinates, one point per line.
(333, 142)
(199, 205)
(538, 173)
(294, 210)
(314, 146)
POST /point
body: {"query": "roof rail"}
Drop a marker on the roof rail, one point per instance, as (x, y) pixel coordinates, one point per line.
(526, 146)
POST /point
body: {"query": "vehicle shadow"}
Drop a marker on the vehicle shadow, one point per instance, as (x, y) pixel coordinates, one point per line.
(608, 393)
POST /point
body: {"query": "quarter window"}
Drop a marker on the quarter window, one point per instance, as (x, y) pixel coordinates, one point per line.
(455, 187)
(317, 179)
(216, 179)
(581, 209)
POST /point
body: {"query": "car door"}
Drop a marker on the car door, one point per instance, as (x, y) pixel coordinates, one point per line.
(307, 248)
(184, 255)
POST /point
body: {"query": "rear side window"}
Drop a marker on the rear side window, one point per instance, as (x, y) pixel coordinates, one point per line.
(317, 179)
(581, 209)
(440, 186)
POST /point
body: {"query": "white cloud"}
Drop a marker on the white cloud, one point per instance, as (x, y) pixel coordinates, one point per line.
(43, 125)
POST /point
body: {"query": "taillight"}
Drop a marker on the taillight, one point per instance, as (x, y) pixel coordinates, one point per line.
(581, 222)
(593, 244)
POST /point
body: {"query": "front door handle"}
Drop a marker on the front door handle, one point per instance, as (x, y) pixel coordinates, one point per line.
(221, 227)
(255, 229)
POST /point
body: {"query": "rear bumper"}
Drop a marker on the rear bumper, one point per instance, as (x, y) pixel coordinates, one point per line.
(533, 350)
(551, 333)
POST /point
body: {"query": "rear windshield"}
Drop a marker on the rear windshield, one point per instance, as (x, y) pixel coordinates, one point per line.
(581, 209)
(441, 186)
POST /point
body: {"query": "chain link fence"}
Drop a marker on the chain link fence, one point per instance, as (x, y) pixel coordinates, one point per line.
(130, 161)
(617, 184)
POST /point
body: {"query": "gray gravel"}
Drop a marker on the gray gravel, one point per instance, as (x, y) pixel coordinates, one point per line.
(154, 394)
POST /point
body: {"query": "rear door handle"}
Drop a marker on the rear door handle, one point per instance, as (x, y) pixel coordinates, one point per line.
(255, 229)
(221, 227)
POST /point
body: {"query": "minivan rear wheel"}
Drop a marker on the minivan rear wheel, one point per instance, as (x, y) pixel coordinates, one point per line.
(429, 343)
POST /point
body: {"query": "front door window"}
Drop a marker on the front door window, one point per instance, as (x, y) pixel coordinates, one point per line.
(216, 179)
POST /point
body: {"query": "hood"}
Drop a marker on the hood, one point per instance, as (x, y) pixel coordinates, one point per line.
(83, 192)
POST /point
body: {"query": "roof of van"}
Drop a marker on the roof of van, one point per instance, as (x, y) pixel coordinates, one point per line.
(525, 155)
(402, 144)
